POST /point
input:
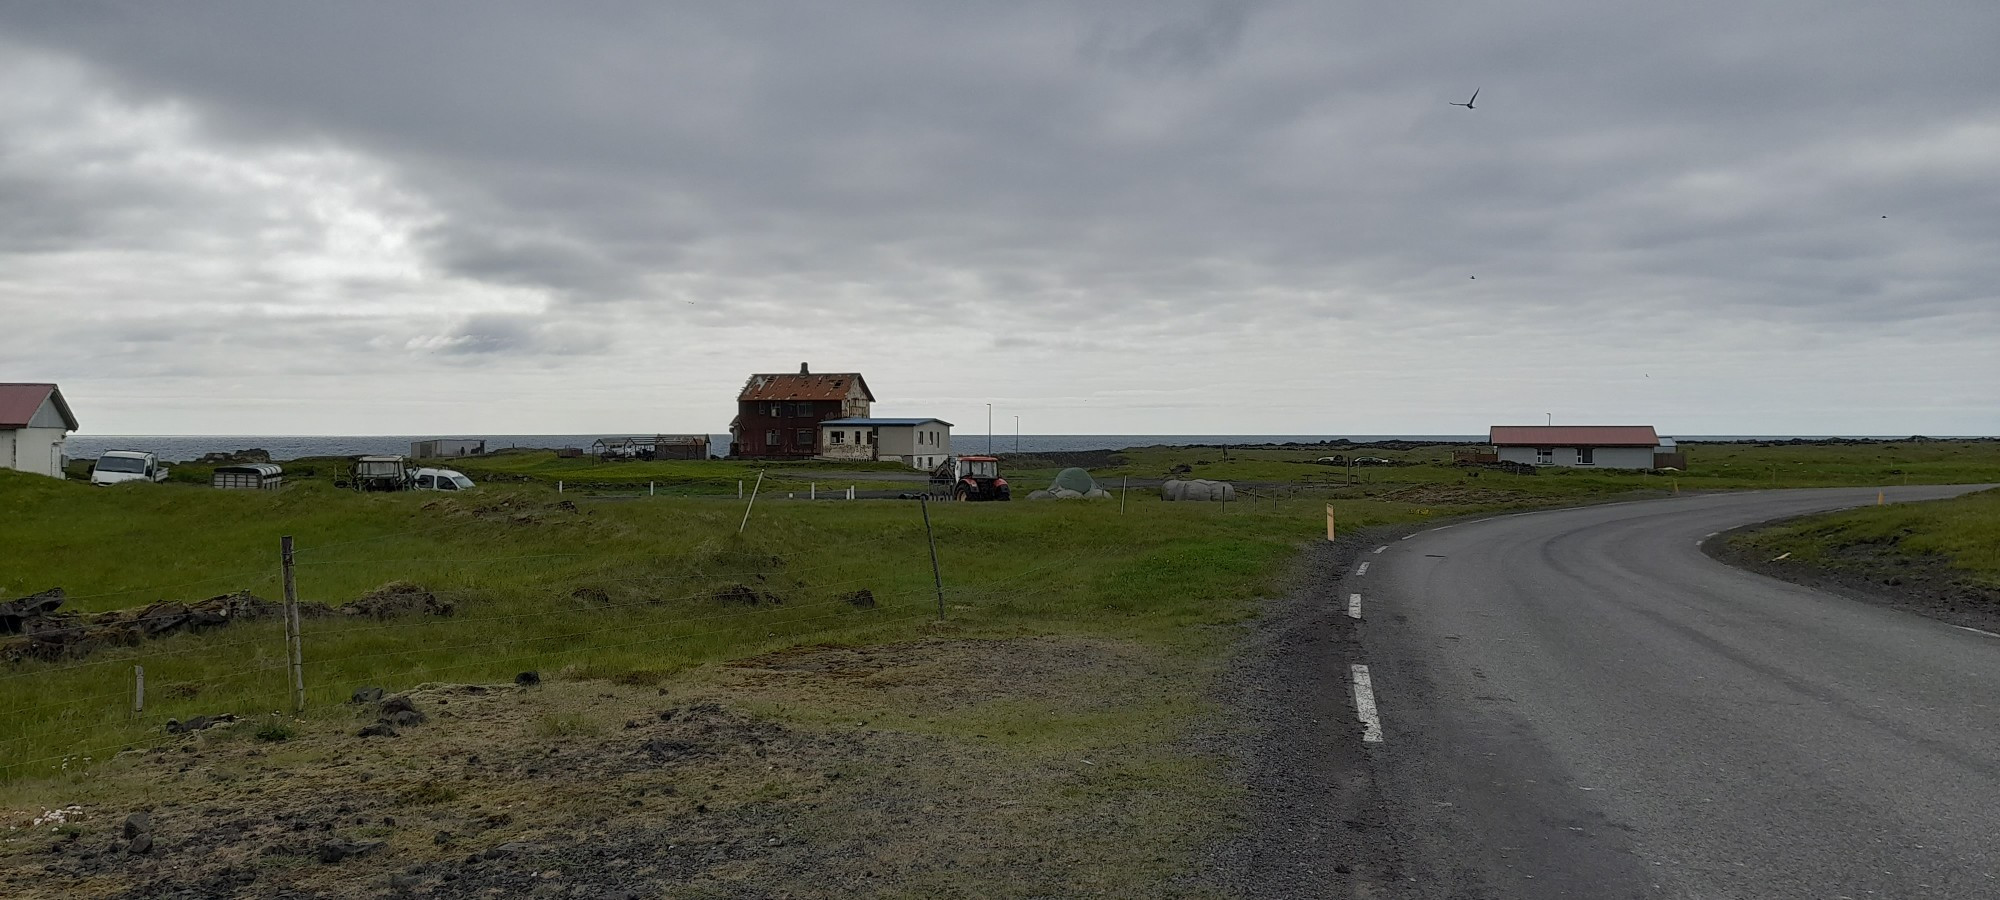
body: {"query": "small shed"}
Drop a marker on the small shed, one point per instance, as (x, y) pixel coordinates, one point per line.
(439, 448)
(248, 477)
(680, 446)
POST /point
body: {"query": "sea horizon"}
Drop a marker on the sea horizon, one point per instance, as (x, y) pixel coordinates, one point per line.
(182, 447)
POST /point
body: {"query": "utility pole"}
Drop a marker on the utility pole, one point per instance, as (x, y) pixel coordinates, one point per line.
(1017, 434)
(989, 429)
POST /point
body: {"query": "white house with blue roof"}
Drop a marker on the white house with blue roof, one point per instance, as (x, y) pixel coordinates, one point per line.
(919, 443)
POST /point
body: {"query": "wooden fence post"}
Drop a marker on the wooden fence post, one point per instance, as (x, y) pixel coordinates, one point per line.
(753, 501)
(292, 648)
(937, 574)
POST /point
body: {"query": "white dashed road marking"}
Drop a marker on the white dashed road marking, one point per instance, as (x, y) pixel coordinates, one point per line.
(1363, 570)
(1364, 706)
(1381, 548)
(1960, 627)
(1354, 606)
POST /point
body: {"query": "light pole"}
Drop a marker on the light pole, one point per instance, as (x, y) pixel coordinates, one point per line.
(1017, 434)
(1552, 419)
(989, 429)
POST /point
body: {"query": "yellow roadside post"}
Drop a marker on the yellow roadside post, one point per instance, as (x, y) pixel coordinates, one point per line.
(1879, 497)
(1329, 522)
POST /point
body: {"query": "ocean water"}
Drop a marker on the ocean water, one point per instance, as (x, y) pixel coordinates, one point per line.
(178, 447)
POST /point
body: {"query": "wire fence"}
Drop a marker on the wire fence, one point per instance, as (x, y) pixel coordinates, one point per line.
(59, 714)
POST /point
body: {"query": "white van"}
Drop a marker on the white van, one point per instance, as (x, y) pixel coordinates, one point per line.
(440, 480)
(119, 466)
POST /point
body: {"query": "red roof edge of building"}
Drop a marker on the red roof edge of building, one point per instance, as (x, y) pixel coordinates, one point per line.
(1573, 436)
(19, 402)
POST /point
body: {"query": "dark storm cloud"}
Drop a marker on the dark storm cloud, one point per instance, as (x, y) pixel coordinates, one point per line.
(1248, 184)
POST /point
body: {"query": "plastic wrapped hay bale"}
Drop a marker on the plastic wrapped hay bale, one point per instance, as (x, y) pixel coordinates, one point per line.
(1073, 479)
(1198, 489)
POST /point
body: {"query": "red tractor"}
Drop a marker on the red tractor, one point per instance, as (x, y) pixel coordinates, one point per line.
(970, 478)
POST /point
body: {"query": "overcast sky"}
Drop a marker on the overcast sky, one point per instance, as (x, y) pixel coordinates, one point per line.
(1151, 217)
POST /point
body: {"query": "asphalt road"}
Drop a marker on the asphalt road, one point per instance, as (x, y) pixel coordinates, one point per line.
(1580, 703)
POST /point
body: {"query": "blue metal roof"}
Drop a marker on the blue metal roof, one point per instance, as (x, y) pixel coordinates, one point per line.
(875, 422)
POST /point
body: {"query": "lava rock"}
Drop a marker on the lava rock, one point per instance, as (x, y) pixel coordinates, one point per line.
(336, 850)
(366, 695)
(528, 678)
(137, 824)
(401, 710)
(379, 729)
(175, 726)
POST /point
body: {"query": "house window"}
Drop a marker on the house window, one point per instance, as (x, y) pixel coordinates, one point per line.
(1583, 456)
(805, 437)
(772, 438)
(836, 437)
(1544, 456)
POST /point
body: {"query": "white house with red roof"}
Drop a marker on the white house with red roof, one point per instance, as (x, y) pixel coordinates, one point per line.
(34, 422)
(1580, 446)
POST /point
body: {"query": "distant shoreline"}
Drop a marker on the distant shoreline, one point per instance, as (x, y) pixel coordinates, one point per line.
(285, 447)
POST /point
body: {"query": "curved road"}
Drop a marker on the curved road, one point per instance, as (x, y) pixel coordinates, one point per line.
(1580, 703)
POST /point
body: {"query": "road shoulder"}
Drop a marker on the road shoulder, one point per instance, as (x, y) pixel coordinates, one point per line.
(1295, 745)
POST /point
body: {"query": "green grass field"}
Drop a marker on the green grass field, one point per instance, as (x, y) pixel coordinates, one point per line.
(597, 588)
(1962, 534)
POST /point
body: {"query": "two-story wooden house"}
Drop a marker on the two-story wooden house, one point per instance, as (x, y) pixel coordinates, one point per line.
(778, 416)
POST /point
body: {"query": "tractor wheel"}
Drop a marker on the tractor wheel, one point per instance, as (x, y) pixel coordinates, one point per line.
(962, 495)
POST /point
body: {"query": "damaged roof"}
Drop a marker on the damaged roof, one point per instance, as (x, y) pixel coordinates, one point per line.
(789, 386)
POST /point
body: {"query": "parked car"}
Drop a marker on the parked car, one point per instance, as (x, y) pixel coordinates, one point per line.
(1373, 461)
(440, 480)
(119, 466)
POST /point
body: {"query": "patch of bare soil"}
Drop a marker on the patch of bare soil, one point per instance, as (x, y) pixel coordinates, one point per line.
(933, 768)
(1451, 494)
(1873, 573)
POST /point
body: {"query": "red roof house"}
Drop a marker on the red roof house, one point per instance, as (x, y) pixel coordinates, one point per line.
(34, 422)
(1583, 446)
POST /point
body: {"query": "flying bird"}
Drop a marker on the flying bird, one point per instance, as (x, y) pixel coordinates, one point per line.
(1468, 104)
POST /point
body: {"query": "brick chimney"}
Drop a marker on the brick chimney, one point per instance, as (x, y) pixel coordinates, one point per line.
(802, 369)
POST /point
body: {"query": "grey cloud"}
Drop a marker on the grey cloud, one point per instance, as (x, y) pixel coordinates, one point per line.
(1191, 42)
(1235, 186)
(514, 336)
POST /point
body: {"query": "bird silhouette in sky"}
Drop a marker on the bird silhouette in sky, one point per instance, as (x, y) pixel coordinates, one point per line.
(1468, 104)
